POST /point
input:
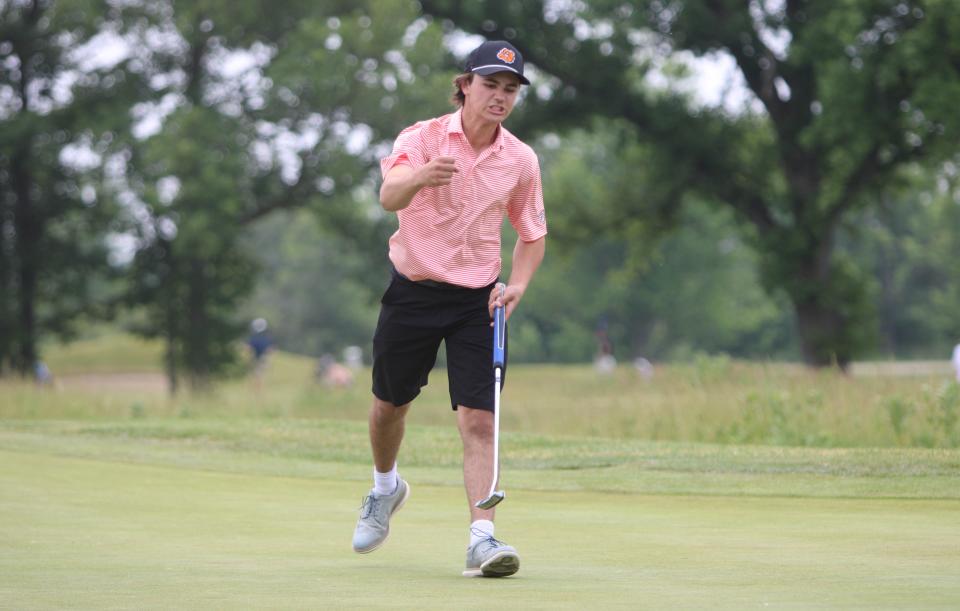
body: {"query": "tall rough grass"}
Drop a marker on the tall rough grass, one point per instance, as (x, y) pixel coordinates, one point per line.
(708, 400)
(719, 400)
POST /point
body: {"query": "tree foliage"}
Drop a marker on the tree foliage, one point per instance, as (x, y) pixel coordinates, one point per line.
(316, 289)
(61, 113)
(290, 132)
(666, 214)
(848, 93)
(909, 245)
(664, 283)
(190, 275)
(190, 184)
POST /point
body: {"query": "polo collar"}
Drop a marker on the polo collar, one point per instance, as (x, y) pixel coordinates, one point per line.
(455, 126)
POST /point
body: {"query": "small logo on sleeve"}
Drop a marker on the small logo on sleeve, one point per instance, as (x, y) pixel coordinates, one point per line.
(542, 217)
(506, 55)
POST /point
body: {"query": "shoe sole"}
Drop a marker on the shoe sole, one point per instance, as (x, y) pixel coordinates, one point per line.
(500, 565)
(384, 540)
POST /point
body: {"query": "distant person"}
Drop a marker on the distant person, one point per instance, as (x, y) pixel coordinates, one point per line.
(353, 357)
(643, 367)
(260, 345)
(452, 180)
(604, 361)
(956, 361)
(42, 374)
(331, 373)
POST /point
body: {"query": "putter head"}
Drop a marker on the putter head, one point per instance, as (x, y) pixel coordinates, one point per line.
(491, 501)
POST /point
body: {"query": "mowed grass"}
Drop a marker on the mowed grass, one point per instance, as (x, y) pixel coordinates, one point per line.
(714, 484)
(92, 534)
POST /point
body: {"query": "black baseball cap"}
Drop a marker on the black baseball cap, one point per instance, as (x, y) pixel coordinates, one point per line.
(496, 56)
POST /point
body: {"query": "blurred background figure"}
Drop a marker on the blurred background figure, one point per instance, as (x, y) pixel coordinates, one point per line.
(353, 357)
(331, 373)
(260, 345)
(956, 361)
(604, 362)
(643, 367)
(42, 374)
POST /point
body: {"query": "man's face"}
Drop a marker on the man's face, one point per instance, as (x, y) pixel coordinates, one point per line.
(491, 97)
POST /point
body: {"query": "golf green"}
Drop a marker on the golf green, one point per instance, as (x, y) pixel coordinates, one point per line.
(88, 534)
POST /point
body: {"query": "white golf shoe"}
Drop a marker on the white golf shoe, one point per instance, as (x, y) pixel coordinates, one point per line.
(491, 558)
(374, 523)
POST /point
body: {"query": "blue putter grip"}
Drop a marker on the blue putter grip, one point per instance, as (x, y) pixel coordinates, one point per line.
(499, 334)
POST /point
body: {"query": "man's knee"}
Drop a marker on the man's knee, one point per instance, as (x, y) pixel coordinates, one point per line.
(384, 411)
(475, 424)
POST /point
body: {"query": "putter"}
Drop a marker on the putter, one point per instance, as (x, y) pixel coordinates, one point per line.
(499, 333)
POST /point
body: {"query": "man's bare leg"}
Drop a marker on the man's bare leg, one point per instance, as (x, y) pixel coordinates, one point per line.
(386, 433)
(476, 432)
(486, 556)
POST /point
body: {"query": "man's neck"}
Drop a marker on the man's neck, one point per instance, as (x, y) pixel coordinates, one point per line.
(480, 134)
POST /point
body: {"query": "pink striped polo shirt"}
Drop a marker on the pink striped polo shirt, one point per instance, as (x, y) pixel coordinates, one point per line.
(452, 233)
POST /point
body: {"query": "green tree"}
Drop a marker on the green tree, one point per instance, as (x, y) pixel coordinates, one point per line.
(191, 274)
(316, 288)
(348, 78)
(945, 250)
(298, 130)
(345, 80)
(848, 93)
(196, 181)
(909, 245)
(60, 115)
(666, 283)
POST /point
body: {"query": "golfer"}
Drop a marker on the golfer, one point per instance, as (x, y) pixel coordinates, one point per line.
(451, 180)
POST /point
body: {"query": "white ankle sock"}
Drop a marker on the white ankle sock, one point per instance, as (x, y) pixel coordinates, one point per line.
(479, 530)
(385, 483)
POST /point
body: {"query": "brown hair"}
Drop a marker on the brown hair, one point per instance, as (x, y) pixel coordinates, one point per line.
(458, 98)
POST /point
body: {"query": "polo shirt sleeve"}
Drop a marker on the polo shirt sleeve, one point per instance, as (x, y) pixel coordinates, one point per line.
(525, 207)
(408, 149)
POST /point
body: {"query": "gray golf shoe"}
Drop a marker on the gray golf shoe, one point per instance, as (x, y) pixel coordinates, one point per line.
(374, 523)
(491, 558)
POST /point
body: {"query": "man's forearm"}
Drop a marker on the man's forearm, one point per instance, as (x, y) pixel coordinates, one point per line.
(527, 257)
(398, 189)
(402, 182)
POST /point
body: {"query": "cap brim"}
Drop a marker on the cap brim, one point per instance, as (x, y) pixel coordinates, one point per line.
(488, 70)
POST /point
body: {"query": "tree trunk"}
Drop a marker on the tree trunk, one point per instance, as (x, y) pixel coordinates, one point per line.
(28, 228)
(170, 318)
(827, 301)
(197, 342)
(170, 355)
(819, 328)
(7, 292)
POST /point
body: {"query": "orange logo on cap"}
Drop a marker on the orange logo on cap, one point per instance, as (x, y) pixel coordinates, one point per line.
(506, 55)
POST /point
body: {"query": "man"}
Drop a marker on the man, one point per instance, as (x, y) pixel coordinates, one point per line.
(451, 180)
(260, 344)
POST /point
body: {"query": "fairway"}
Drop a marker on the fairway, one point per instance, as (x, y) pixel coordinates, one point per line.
(86, 533)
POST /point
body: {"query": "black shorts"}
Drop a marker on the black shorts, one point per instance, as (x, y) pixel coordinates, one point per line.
(414, 318)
